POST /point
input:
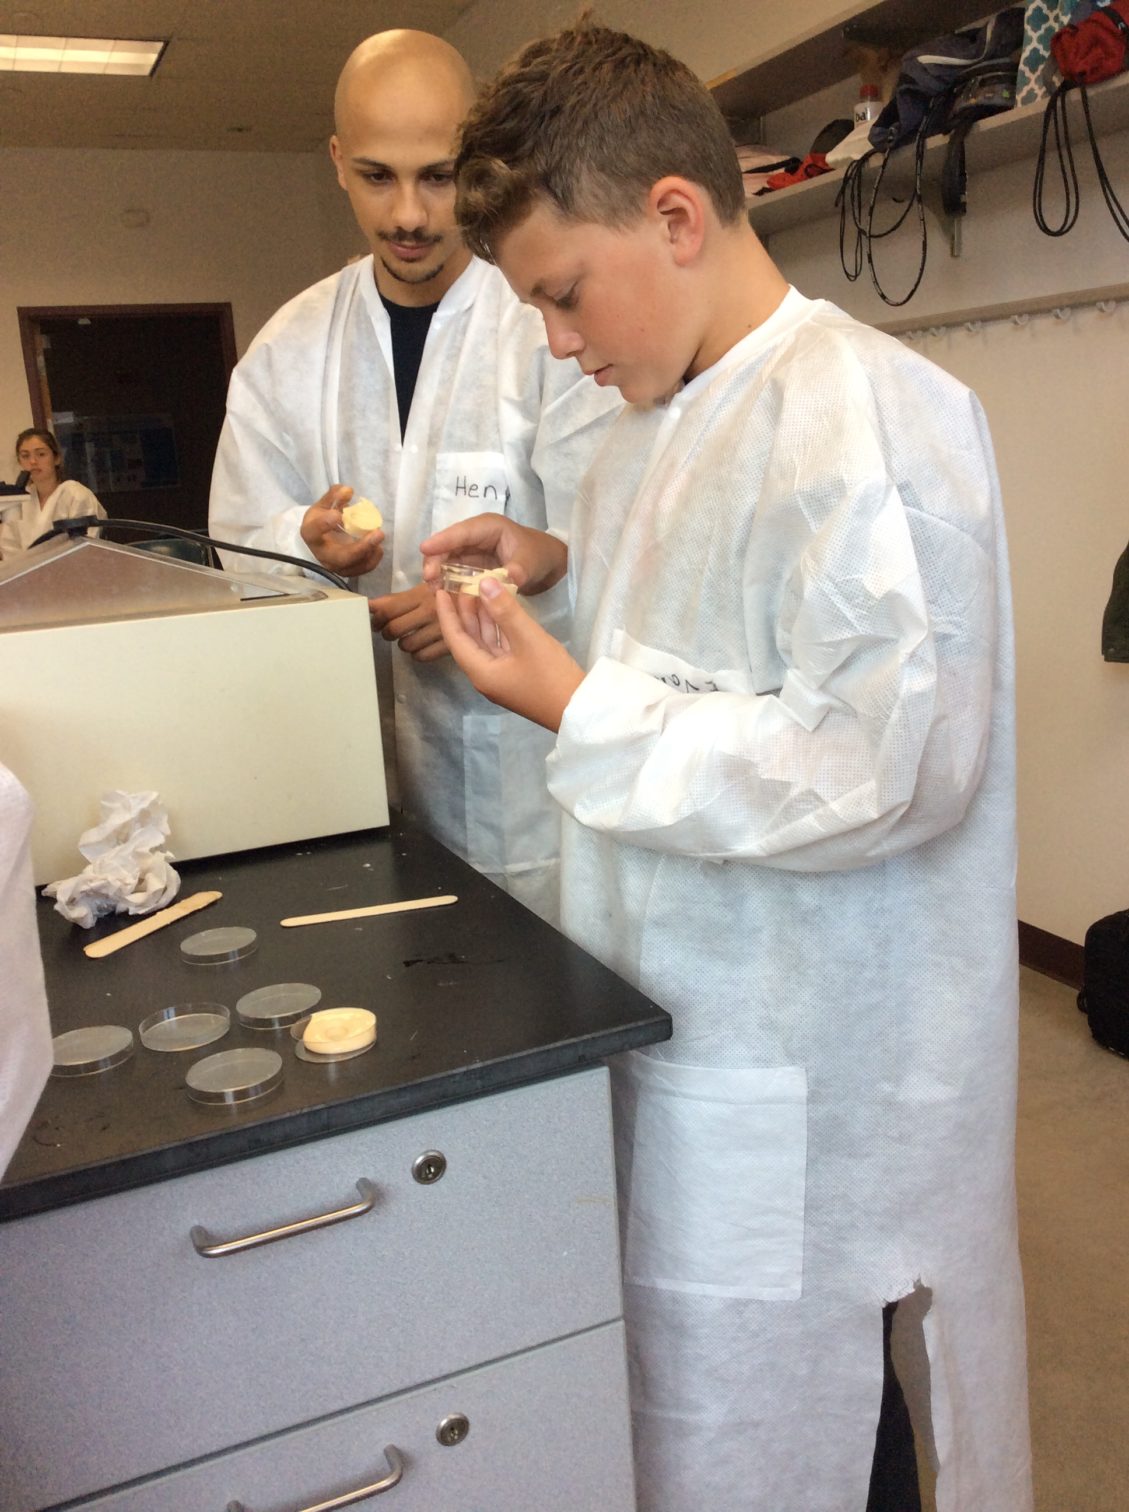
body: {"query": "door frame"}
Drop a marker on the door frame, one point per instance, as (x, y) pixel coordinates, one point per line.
(31, 316)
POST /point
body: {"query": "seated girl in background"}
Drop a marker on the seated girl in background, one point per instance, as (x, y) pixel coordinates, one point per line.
(50, 496)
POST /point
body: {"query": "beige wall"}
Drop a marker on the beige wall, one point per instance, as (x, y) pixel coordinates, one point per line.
(249, 228)
(712, 36)
(1053, 391)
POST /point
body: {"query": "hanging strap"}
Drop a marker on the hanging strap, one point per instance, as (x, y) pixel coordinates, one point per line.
(1056, 115)
(851, 199)
(954, 172)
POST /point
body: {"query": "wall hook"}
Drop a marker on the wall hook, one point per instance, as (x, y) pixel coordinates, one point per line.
(1062, 312)
(1106, 306)
(1020, 320)
(973, 326)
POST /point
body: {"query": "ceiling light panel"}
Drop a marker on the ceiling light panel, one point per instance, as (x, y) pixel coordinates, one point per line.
(87, 55)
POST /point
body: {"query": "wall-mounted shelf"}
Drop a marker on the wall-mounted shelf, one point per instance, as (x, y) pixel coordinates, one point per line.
(992, 143)
(818, 59)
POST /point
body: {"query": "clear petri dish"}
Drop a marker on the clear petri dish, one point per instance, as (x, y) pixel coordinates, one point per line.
(84, 1052)
(461, 577)
(296, 1032)
(234, 1076)
(185, 1026)
(216, 947)
(277, 1006)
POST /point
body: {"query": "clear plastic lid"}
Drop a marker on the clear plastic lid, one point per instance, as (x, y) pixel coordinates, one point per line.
(277, 1006)
(234, 1076)
(215, 947)
(461, 577)
(185, 1026)
(83, 1052)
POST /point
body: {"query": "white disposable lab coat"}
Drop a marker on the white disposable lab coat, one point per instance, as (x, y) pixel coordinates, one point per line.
(789, 781)
(23, 521)
(25, 1030)
(495, 425)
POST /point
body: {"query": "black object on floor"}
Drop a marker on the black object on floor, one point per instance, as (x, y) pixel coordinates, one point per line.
(1105, 981)
(894, 1485)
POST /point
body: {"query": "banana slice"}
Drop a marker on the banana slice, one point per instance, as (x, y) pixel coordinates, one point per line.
(361, 516)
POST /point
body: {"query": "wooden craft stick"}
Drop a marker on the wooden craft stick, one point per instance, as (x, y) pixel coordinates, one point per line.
(146, 926)
(368, 913)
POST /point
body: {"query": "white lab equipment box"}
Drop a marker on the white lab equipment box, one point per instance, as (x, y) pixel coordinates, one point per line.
(247, 702)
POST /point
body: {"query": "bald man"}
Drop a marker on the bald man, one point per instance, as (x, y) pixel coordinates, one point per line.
(416, 379)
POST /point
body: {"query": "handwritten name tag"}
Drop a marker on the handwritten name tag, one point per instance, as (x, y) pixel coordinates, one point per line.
(468, 483)
(676, 673)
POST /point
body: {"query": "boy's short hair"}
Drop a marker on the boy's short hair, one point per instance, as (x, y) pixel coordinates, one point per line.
(587, 121)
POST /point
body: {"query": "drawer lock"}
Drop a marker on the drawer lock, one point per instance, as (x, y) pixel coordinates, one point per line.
(452, 1430)
(428, 1167)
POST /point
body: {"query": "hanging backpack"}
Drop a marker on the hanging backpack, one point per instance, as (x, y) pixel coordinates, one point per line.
(1104, 998)
(943, 89)
(1085, 53)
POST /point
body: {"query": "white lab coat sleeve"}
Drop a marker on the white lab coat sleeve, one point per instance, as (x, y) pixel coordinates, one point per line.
(10, 529)
(75, 500)
(873, 743)
(25, 1029)
(264, 477)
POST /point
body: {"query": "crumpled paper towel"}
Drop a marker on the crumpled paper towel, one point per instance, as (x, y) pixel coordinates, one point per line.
(129, 868)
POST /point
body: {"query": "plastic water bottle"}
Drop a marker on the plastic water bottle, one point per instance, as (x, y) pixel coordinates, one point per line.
(868, 105)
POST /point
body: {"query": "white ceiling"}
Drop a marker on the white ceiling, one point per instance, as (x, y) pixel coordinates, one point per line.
(238, 75)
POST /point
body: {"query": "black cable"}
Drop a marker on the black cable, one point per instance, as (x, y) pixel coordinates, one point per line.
(81, 524)
(1113, 204)
(916, 199)
(1055, 114)
(850, 197)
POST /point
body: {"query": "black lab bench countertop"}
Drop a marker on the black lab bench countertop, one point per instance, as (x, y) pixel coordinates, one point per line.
(470, 999)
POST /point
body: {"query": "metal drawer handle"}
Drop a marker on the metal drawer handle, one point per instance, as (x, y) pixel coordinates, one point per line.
(395, 1471)
(210, 1248)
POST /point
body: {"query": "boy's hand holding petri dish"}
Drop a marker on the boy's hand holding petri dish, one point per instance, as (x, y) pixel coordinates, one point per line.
(533, 559)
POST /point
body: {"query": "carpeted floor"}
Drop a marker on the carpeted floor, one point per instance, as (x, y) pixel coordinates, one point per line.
(1073, 1173)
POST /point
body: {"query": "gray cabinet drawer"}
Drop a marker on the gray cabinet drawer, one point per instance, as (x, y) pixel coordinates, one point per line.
(547, 1433)
(125, 1352)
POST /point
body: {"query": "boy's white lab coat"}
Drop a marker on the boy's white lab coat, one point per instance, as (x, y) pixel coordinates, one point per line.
(495, 424)
(790, 777)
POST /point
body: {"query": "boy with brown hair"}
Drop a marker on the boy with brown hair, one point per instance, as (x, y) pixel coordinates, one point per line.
(784, 760)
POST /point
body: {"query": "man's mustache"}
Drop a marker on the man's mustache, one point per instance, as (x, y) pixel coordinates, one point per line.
(410, 238)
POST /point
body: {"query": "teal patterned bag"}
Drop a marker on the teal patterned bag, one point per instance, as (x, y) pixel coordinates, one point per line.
(1037, 72)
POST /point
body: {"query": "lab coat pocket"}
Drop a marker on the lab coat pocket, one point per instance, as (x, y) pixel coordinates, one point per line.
(715, 1187)
(466, 484)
